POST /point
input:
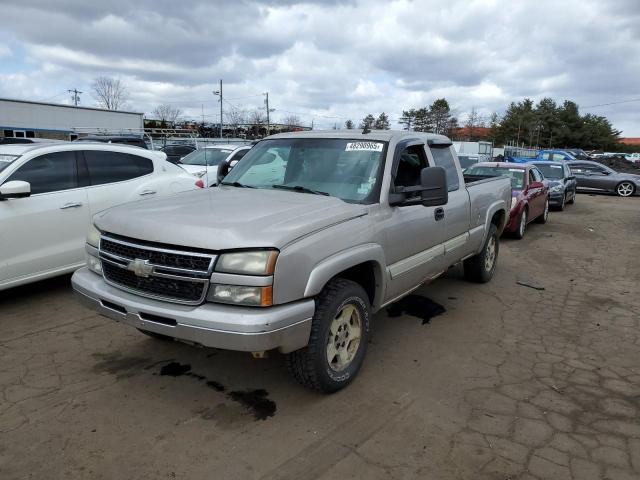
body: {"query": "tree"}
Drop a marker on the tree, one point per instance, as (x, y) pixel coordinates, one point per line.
(472, 123)
(367, 121)
(440, 115)
(235, 117)
(167, 114)
(408, 119)
(291, 121)
(422, 120)
(382, 122)
(349, 125)
(257, 118)
(110, 93)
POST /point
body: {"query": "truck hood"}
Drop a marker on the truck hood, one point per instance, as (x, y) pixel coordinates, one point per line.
(222, 218)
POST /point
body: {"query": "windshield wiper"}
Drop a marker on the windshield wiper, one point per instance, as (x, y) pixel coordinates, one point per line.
(236, 184)
(300, 188)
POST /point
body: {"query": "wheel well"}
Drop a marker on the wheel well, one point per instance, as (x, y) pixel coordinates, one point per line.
(498, 219)
(364, 274)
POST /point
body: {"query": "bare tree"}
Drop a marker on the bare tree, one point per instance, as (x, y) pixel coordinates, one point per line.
(291, 121)
(235, 117)
(109, 92)
(167, 114)
(472, 123)
(257, 118)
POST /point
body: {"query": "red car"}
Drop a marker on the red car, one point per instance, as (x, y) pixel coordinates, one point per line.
(529, 192)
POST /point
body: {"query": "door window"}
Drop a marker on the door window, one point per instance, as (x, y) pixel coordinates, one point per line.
(51, 172)
(238, 155)
(531, 177)
(538, 177)
(443, 157)
(110, 167)
(559, 157)
(546, 156)
(412, 160)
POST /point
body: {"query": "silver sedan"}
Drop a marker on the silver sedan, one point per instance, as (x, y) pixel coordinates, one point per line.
(596, 177)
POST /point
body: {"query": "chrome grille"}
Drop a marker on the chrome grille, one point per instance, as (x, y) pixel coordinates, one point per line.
(161, 273)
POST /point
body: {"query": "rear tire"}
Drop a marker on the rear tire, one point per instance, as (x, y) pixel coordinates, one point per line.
(157, 336)
(480, 267)
(338, 341)
(625, 189)
(561, 206)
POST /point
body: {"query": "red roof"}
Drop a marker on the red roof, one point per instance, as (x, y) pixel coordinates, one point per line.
(478, 132)
(630, 141)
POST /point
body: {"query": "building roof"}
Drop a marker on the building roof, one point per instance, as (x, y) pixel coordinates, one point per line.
(630, 141)
(31, 102)
(476, 132)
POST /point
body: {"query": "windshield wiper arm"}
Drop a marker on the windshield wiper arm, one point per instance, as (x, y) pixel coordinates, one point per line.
(300, 188)
(237, 184)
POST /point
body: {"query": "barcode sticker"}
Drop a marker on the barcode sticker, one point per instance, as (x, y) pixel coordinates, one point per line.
(364, 146)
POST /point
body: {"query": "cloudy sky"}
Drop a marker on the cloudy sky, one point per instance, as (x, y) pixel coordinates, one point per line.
(327, 61)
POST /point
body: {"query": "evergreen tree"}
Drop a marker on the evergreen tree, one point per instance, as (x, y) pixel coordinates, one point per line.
(382, 122)
(367, 121)
(349, 125)
(408, 119)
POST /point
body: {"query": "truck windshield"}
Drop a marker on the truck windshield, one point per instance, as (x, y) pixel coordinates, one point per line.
(6, 160)
(516, 174)
(554, 172)
(347, 169)
(206, 156)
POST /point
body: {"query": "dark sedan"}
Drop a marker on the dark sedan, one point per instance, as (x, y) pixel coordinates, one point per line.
(596, 177)
(176, 151)
(529, 194)
(561, 182)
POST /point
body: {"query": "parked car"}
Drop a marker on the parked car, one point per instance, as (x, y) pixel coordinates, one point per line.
(130, 140)
(529, 196)
(561, 182)
(466, 160)
(204, 163)
(297, 261)
(176, 151)
(49, 192)
(595, 177)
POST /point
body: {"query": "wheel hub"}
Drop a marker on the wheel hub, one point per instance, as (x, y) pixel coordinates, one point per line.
(490, 255)
(344, 337)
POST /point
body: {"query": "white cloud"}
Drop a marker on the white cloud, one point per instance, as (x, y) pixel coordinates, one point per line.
(329, 61)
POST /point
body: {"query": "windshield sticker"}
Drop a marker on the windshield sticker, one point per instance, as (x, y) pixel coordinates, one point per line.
(559, 167)
(363, 147)
(516, 170)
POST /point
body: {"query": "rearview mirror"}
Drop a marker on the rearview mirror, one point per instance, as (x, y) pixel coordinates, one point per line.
(15, 189)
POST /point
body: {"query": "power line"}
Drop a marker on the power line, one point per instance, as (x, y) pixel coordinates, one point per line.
(75, 96)
(613, 103)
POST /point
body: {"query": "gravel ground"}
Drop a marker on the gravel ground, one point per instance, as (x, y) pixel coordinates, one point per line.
(509, 382)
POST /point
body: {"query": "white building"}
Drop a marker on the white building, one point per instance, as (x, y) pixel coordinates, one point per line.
(23, 118)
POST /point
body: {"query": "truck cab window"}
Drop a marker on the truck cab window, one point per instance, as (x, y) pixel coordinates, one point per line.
(443, 157)
(411, 162)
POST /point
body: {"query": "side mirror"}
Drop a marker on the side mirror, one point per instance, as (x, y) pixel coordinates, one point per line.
(15, 189)
(435, 190)
(224, 168)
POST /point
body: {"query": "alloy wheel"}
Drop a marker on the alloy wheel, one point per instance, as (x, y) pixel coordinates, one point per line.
(523, 223)
(490, 255)
(625, 189)
(344, 337)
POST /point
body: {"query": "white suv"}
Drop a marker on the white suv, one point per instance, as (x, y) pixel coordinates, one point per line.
(204, 163)
(49, 192)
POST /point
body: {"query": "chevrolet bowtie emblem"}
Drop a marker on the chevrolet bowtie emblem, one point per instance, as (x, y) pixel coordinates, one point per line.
(140, 267)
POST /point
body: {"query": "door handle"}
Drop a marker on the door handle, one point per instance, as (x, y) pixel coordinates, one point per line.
(147, 192)
(438, 214)
(71, 205)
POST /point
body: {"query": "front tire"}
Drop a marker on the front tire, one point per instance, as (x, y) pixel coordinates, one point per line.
(338, 341)
(573, 198)
(562, 204)
(522, 225)
(480, 267)
(625, 189)
(545, 213)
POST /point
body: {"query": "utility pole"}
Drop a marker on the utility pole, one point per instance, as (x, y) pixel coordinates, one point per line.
(269, 110)
(75, 96)
(219, 92)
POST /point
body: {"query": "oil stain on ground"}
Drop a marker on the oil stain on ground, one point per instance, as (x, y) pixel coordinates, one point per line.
(254, 401)
(416, 306)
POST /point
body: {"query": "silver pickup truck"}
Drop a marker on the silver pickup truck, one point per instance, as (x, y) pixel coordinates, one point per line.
(301, 242)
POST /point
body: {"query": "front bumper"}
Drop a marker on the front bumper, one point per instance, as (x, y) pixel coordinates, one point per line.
(285, 327)
(514, 221)
(555, 198)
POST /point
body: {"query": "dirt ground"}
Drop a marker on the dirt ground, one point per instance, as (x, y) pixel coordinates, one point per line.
(509, 382)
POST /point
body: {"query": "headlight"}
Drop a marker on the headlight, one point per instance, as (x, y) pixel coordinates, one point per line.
(241, 295)
(257, 262)
(93, 236)
(514, 202)
(556, 188)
